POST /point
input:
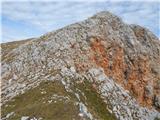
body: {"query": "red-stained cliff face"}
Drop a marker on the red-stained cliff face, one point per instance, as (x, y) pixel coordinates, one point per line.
(135, 77)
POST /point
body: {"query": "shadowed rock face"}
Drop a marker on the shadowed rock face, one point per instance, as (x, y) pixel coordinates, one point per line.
(120, 61)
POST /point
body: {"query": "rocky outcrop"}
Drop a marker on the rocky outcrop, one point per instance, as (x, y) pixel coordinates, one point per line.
(121, 61)
(133, 74)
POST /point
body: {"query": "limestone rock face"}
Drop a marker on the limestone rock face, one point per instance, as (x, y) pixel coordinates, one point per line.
(121, 61)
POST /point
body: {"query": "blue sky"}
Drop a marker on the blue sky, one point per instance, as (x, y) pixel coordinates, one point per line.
(28, 18)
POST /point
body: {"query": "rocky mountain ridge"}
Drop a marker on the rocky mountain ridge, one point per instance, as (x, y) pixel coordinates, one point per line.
(120, 62)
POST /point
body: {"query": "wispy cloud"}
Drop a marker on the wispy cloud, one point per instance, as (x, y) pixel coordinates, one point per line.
(89, 1)
(36, 18)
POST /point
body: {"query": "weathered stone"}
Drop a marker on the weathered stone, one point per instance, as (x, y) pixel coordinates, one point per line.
(157, 101)
(121, 61)
(25, 118)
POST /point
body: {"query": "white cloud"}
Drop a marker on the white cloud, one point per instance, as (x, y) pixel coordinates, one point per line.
(10, 34)
(89, 1)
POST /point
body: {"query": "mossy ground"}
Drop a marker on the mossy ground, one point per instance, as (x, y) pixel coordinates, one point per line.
(94, 102)
(35, 104)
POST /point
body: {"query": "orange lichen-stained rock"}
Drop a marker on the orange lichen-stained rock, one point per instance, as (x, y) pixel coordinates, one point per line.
(135, 77)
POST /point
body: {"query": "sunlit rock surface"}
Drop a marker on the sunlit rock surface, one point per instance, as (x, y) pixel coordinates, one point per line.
(101, 67)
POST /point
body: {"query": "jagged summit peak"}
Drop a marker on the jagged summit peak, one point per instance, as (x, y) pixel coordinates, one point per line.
(104, 14)
(104, 18)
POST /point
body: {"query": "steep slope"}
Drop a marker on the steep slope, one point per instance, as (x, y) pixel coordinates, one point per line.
(109, 70)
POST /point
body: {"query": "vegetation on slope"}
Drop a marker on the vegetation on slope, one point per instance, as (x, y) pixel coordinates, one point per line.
(51, 101)
(38, 103)
(94, 102)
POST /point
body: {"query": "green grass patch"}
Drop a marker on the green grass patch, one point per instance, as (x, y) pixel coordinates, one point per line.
(94, 102)
(34, 103)
(31, 103)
